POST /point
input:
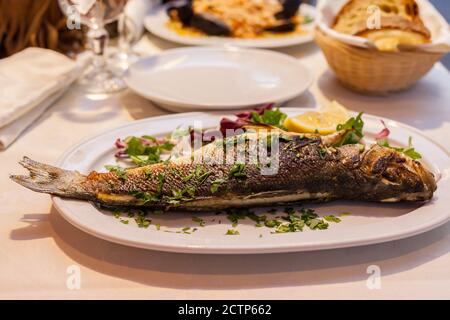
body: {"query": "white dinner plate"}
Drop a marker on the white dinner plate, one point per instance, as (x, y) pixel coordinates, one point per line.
(368, 223)
(218, 78)
(156, 23)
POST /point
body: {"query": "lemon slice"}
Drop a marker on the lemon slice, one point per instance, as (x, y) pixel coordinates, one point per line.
(324, 122)
(338, 111)
(312, 122)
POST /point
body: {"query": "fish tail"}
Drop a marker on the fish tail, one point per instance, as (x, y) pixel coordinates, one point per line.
(48, 179)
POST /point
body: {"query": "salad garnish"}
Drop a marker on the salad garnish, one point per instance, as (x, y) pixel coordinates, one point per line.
(408, 151)
(261, 115)
(382, 140)
(142, 150)
(355, 133)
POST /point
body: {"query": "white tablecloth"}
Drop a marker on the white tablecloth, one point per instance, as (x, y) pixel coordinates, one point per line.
(39, 250)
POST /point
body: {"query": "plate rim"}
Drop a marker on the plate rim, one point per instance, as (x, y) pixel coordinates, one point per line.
(243, 249)
(267, 43)
(180, 105)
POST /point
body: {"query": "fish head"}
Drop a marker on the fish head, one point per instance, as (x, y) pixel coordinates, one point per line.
(396, 171)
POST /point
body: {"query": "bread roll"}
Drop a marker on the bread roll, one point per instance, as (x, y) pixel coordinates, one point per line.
(400, 22)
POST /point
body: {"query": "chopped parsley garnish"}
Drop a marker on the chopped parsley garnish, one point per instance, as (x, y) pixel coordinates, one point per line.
(295, 222)
(141, 220)
(198, 171)
(215, 185)
(186, 230)
(354, 127)
(332, 218)
(289, 210)
(272, 117)
(314, 224)
(237, 171)
(272, 223)
(161, 180)
(308, 214)
(177, 194)
(322, 153)
(119, 171)
(190, 191)
(202, 178)
(232, 232)
(258, 219)
(409, 151)
(116, 214)
(144, 197)
(234, 215)
(188, 177)
(148, 174)
(200, 221)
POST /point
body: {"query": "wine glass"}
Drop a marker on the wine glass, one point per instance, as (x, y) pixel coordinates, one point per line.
(99, 77)
(128, 36)
(130, 27)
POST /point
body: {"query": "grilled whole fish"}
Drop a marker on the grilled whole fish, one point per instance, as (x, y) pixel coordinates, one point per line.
(309, 169)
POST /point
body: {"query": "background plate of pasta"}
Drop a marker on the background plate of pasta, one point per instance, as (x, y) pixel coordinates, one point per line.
(247, 23)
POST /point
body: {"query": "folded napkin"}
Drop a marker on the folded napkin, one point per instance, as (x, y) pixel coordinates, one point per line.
(30, 81)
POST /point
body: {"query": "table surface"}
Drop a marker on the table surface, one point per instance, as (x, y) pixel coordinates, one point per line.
(40, 250)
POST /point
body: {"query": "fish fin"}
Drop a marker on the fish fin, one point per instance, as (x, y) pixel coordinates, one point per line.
(48, 179)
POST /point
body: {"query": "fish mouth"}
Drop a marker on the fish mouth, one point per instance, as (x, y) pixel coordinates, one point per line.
(428, 178)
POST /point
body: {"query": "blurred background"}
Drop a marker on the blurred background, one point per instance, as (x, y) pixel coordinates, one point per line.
(41, 23)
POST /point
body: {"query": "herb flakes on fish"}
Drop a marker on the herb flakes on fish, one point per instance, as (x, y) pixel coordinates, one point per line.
(237, 171)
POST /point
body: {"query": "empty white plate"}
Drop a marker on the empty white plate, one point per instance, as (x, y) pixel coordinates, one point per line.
(217, 78)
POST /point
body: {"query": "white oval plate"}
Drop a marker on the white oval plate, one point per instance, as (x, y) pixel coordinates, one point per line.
(368, 223)
(218, 78)
(156, 23)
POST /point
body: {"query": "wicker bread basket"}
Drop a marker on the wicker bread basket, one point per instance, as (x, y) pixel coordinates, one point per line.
(371, 71)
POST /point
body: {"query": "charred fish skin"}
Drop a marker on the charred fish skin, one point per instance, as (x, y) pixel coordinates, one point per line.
(308, 170)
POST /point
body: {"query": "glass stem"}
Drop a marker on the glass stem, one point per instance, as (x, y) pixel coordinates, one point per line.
(124, 46)
(98, 41)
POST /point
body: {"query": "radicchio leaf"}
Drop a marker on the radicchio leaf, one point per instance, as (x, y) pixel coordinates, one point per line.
(383, 134)
(243, 118)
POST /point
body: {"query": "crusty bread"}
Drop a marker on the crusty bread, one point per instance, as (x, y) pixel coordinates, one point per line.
(399, 21)
(390, 39)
